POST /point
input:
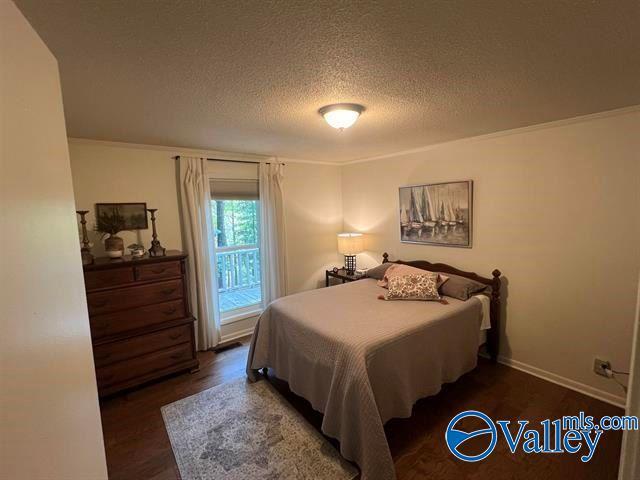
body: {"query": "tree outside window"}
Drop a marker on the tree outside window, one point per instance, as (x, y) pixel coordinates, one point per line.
(235, 222)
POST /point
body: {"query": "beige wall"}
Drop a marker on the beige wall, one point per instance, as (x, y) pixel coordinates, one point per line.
(108, 174)
(49, 416)
(120, 173)
(556, 210)
(313, 202)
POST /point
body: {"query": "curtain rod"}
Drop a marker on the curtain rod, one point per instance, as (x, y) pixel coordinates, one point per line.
(177, 157)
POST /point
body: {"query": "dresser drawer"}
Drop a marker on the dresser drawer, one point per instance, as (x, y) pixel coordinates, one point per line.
(140, 345)
(125, 298)
(108, 278)
(146, 364)
(158, 271)
(135, 318)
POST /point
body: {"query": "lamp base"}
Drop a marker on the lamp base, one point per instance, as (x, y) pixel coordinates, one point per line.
(350, 264)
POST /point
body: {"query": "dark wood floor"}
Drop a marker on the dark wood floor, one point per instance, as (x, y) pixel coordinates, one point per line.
(138, 448)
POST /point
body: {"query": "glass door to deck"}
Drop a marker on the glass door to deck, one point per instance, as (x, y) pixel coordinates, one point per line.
(236, 232)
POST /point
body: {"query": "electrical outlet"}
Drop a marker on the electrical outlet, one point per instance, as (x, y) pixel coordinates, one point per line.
(600, 367)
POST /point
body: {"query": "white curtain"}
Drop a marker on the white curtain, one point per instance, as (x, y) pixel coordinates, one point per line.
(272, 232)
(195, 196)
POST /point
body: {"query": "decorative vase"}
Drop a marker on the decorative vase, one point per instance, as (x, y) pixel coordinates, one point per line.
(113, 242)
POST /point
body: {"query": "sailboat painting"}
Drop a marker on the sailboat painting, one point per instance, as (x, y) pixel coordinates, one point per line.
(437, 214)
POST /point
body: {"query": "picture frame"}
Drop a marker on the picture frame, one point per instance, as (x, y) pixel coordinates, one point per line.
(439, 214)
(134, 214)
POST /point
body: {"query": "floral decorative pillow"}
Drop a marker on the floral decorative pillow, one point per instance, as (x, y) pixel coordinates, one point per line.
(422, 286)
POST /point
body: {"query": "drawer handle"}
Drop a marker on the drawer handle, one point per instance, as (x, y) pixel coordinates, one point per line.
(99, 304)
(171, 311)
(167, 291)
(175, 336)
(158, 270)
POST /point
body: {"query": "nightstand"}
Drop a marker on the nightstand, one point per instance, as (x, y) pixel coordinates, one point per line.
(342, 274)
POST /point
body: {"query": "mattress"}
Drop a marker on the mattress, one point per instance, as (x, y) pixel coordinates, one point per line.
(362, 361)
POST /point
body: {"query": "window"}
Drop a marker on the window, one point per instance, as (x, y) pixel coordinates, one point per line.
(235, 222)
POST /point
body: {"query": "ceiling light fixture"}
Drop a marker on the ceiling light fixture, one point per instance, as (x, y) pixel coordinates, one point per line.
(341, 115)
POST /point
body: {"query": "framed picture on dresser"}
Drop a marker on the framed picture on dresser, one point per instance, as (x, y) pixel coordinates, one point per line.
(133, 216)
(437, 214)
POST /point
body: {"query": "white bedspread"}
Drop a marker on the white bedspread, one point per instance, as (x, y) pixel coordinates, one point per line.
(362, 361)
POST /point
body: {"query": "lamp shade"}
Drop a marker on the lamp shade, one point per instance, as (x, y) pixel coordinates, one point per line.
(350, 243)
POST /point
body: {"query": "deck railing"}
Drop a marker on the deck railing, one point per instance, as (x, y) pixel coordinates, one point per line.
(238, 267)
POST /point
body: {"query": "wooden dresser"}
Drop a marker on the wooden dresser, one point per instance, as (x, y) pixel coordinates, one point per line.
(141, 324)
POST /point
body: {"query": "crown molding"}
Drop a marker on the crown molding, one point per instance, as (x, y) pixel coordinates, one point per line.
(222, 155)
(504, 133)
(173, 151)
(312, 162)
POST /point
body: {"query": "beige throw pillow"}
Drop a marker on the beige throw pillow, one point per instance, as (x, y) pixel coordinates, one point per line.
(399, 270)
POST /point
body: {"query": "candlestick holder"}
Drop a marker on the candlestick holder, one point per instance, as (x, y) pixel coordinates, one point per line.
(85, 251)
(156, 249)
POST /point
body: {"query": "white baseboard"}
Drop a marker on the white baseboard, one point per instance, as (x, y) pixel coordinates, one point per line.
(235, 335)
(617, 400)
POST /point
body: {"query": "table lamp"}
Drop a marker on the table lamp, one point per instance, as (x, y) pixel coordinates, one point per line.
(349, 245)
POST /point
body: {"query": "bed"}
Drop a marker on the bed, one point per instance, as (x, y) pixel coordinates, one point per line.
(362, 361)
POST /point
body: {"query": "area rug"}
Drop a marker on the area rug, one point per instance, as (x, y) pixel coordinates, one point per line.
(245, 431)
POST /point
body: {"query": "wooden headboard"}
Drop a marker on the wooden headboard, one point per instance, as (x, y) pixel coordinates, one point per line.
(493, 335)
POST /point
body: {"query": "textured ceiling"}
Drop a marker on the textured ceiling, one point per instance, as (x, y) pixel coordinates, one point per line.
(249, 76)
